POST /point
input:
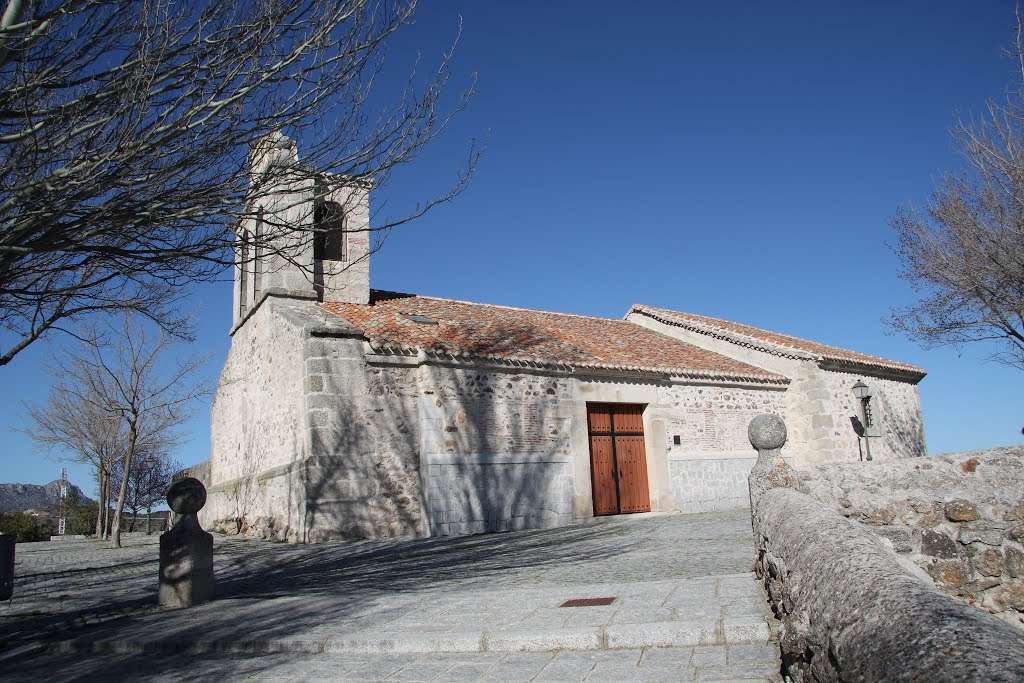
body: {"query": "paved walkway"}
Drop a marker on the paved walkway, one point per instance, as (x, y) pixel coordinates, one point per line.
(470, 608)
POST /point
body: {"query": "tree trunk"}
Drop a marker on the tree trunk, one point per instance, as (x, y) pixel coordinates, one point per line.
(115, 532)
(105, 501)
(99, 508)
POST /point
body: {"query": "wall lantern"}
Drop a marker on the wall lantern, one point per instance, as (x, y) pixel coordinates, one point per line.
(861, 390)
(863, 394)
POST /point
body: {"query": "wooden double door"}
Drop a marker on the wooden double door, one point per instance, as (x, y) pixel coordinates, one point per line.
(618, 461)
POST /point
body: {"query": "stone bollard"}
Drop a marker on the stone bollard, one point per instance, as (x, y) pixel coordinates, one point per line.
(7, 543)
(186, 551)
(767, 434)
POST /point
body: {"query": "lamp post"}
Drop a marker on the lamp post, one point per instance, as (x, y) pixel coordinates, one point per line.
(863, 394)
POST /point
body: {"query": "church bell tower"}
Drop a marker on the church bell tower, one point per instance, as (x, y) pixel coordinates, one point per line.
(304, 235)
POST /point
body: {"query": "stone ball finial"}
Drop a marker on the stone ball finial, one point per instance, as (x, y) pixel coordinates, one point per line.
(767, 432)
(186, 496)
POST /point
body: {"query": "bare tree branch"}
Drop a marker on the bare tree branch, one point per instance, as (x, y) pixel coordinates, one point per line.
(117, 398)
(965, 253)
(127, 129)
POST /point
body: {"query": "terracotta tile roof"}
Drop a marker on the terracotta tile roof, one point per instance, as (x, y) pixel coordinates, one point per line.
(772, 342)
(461, 328)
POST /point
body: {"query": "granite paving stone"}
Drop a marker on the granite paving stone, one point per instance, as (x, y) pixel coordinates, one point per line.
(716, 655)
(459, 608)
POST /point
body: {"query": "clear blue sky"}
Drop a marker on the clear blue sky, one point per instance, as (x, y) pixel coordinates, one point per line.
(733, 159)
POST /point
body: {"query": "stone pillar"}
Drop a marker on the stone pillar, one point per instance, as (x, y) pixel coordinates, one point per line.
(7, 542)
(186, 551)
(767, 434)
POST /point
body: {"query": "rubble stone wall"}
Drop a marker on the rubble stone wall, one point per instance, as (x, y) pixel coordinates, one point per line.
(896, 413)
(497, 449)
(708, 469)
(854, 610)
(851, 608)
(959, 517)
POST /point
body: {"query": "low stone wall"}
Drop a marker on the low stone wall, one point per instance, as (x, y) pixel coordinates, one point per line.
(851, 611)
(959, 517)
(851, 608)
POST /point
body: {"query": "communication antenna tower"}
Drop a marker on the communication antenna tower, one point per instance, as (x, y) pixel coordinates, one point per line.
(63, 499)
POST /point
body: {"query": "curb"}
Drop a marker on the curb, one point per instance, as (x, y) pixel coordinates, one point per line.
(614, 637)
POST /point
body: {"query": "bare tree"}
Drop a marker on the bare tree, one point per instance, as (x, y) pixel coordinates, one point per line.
(965, 253)
(148, 482)
(126, 128)
(74, 427)
(126, 379)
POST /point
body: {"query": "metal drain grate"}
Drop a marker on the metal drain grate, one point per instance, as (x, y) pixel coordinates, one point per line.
(587, 602)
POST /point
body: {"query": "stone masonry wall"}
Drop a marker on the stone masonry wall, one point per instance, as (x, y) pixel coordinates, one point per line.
(497, 450)
(708, 470)
(958, 517)
(502, 493)
(257, 428)
(852, 609)
(702, 482)
(896, 411)
(363, 475)
(819, 402)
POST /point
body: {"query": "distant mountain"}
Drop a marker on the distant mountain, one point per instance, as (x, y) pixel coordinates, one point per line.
(18, 497)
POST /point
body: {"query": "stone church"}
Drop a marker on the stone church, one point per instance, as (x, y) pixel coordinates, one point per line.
(347, 412)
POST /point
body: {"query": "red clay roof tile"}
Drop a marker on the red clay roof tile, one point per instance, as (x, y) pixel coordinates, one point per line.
(752, 336)
(483, 330)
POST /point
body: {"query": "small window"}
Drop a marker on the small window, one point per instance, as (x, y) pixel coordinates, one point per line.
(257, 263)
(243, 274)
(331, 243)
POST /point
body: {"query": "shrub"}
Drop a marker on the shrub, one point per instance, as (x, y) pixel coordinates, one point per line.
(26, 527)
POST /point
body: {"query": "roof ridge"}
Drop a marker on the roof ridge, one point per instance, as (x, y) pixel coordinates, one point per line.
(727, 328)
(708, 321)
